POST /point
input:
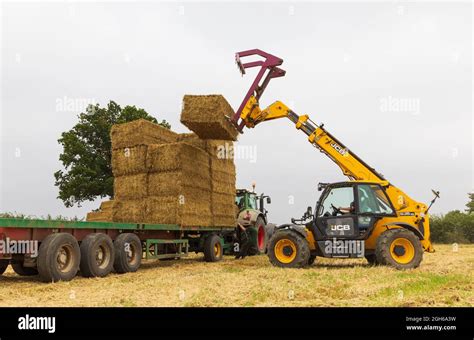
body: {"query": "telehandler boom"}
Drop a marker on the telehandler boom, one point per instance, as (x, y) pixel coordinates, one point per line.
(393, 228)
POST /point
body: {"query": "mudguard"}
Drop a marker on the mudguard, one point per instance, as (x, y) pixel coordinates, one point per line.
(300, 229)
(410, 227)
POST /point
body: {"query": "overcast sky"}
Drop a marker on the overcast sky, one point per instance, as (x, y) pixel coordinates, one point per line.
(392, 81)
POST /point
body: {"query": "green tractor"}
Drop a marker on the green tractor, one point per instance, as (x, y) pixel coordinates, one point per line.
(252, 217)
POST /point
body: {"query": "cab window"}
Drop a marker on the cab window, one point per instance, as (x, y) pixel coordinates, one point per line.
(342, 198)
(239, 200)
(372, 200)
(252, 202)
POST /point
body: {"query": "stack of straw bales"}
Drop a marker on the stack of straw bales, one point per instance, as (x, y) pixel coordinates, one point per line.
(168, 178)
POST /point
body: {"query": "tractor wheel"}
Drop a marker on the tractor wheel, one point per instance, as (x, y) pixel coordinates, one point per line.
(311, 260)
(261, 237)
(97, 255)
(21, 270)
(288, 249)
(371, 259)
(3, 266)
(399, 248)
(128, 253)
(59, 257)
(213, 249)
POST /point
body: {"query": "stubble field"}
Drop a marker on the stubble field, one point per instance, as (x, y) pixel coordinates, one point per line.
(445, 278)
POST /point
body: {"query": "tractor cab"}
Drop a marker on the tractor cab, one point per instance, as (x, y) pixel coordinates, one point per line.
(347, 210)
(249, 201)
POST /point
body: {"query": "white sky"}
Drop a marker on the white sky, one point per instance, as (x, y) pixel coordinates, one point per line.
(344, 62)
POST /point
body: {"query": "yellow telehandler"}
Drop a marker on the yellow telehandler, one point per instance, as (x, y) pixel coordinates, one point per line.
(366, 216)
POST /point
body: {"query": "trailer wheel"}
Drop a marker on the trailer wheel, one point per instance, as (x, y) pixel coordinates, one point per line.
(21, 270)
(128, 253)
(3, 266)
(59, 257)
(213, 249)
(97, 255)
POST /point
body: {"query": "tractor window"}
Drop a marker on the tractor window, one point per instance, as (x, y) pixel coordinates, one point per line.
(373, 200)
(342, 198)
(252, 202)
(239, 200)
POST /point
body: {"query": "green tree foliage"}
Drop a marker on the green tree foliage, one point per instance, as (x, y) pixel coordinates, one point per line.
(86, 156)
(470, 204)
(455, 226)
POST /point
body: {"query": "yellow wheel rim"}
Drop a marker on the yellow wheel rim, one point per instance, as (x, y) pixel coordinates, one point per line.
(217, 249)
(402, 250)
(285, 251)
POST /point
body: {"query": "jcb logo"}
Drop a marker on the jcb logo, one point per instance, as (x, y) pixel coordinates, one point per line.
(339, 148)
(336, 227)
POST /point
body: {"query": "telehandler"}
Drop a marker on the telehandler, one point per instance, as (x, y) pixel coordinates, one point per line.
(366, 216)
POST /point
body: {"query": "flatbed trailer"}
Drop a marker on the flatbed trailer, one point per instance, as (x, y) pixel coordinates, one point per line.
(58, 250)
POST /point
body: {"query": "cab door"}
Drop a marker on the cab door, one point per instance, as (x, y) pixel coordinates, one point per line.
(336, 213)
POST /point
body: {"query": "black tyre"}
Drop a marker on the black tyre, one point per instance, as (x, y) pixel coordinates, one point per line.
(270, 229)
(311, 260)
(288, 249)
(21, 270)
(59, 257)
(3, 266)
(372, 259)
(97, 255)
(128, 253)
(260, 237)
(213, 248)
(399, 248)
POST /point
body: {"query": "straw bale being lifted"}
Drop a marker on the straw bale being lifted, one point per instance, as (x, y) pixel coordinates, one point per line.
(208, 116)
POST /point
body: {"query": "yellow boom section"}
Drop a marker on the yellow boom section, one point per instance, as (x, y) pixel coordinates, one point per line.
(351, 165)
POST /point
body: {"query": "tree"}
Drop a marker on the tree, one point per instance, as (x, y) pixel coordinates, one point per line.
(87, 152)
(470, 204)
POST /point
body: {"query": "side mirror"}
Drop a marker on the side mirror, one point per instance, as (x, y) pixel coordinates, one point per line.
(269, 200)
(309, 211)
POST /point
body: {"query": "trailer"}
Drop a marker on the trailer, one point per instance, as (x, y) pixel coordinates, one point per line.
(58, 250)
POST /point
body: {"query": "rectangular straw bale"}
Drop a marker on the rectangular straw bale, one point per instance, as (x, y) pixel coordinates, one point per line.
(175, 156)
(140, 132)
(208, 116)
(129, 211)
(223, 204)
(177, 182)
(99, 216)
(193, 139)
(127, 161)
(220, 149)
(131, 187)
(170, 210)
(106, 205)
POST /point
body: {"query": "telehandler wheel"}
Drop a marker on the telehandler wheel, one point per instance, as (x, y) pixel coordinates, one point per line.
(288, 249)
(399, 248)
(97, 255)
(21, 270)
(59, 257)
(128, 253)
(213, 249)
(3, 266)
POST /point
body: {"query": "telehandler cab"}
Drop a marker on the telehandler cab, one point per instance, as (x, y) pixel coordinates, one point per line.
(365, 217)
